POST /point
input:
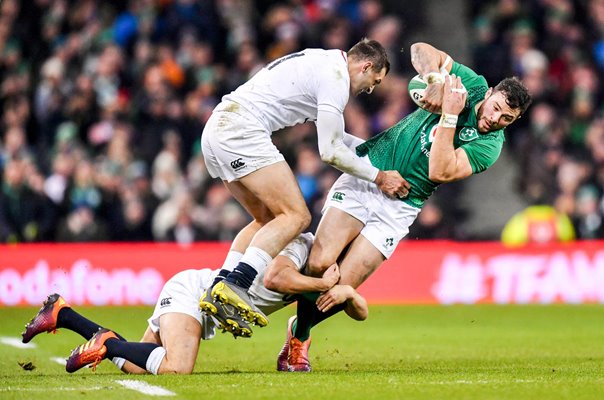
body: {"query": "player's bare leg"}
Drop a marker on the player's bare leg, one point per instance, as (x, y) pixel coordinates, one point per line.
(180, 335)
(148, 337)
(276, 188)
(359, 262)
(336, 230)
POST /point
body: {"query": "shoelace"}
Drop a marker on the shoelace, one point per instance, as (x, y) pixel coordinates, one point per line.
(296, 353)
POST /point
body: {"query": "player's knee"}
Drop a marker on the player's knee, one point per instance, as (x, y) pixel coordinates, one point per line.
(174, 368)
(263, 217)
(317, 264)
(303, 216)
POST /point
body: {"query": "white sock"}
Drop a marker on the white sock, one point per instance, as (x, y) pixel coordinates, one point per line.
(231, 260)
(119, 362)
(256, 258)
(155, 359)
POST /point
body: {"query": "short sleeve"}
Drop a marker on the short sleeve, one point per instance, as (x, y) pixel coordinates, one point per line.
(483, 153)
(469, 78)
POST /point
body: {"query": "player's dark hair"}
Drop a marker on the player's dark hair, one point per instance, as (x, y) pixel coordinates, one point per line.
(371, 50)
(516, 94)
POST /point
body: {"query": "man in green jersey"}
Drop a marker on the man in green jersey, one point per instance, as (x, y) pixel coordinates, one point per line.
(427, 149)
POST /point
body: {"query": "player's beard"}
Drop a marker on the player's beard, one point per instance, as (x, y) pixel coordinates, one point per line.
(481, 122)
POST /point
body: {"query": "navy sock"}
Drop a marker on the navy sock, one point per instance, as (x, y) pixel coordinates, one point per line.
(243, 275)
(221, 275)
(68, 318)
(135, 352)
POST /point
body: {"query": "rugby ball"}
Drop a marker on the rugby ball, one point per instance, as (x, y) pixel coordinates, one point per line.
(416, 89)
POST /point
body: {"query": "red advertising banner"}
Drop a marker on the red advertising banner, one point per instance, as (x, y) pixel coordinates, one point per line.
(419, 272)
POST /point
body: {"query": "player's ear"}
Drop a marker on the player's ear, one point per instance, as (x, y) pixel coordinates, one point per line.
(488, 93)
(367, 66)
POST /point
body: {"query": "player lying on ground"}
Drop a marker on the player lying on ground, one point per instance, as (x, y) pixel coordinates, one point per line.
(427, 149)
(171, 342)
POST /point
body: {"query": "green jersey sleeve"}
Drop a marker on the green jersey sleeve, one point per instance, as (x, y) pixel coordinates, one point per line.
(483, 152)
(475, 84)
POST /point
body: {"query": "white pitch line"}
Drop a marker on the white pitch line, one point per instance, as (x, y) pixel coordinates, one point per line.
(145, 388)
(16, 342)
(59, 360)
(45, 389)
(480, 382)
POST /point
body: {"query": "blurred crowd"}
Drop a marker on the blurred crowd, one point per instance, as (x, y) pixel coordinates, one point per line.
(102, 105)
(557, 48)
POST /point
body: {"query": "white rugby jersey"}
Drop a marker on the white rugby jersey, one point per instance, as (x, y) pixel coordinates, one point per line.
(269, 301)
(292, 89)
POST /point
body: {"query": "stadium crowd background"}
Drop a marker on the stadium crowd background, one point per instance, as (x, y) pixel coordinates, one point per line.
(103, 103)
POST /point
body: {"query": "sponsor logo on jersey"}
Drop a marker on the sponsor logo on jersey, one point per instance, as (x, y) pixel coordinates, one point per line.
(165, 302)
(432, 134)
(426, 139)
(237, 164)
(468, 134)
(338, 196)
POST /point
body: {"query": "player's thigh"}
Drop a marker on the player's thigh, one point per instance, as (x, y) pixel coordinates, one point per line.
(151, 337)
(180, 335)
(361, 260)
(336, 230)
(276, 187)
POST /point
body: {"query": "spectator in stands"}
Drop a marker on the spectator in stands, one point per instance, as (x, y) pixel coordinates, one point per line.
(25, 215)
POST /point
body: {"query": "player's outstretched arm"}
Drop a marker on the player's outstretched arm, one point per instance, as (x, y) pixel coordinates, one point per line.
(335, 152)
(282, 276)
(356, 305)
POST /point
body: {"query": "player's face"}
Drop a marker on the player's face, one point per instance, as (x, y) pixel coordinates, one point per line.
(494, 113)
(366, 80)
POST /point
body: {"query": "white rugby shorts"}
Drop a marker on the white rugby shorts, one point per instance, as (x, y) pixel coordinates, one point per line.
(386, 220)
(234, 143)
(181, 294)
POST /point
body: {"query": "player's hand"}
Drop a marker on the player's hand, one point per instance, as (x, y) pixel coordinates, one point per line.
(334, 296)
(331, 276)
(392, 184)
(433, 98)
(454, 95)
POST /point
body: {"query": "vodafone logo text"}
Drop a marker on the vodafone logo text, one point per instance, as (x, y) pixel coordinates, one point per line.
(80, 283)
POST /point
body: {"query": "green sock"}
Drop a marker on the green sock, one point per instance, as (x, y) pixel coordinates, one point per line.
(304, 323)
(309, 315)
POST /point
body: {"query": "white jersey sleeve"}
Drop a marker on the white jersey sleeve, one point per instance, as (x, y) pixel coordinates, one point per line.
(333, 87)
(299, 249)
(269, 301)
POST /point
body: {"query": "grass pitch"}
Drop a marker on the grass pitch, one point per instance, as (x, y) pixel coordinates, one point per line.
(410, 352)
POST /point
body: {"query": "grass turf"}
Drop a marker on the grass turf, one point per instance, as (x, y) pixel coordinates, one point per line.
(419, 352)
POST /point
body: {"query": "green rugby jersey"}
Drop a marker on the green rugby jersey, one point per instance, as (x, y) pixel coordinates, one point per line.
(405, 147)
